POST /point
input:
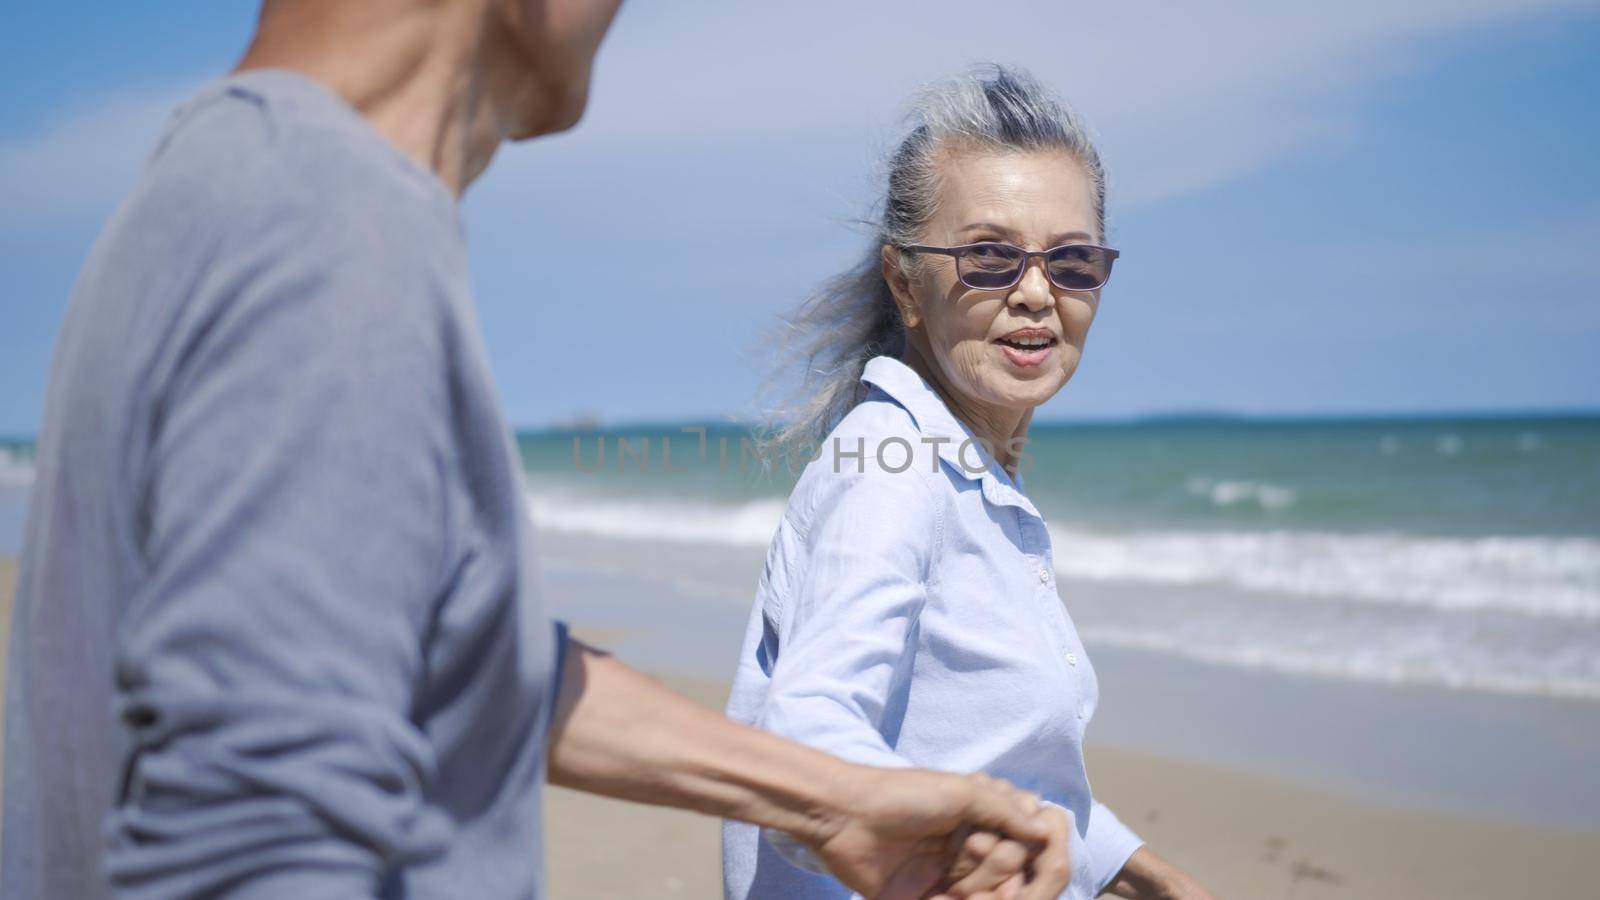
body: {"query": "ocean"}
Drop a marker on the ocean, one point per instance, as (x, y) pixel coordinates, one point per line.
(1451, 551)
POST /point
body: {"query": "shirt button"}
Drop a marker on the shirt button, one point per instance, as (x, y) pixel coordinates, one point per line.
(1072, 658)
(1044, 575)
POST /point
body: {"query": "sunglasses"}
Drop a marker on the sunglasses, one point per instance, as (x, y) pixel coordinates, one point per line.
(991, 266)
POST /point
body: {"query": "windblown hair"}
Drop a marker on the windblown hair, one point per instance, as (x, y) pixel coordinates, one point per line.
(853, 317)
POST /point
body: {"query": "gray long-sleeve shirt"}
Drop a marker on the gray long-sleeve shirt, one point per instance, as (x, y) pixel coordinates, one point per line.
(276, 632)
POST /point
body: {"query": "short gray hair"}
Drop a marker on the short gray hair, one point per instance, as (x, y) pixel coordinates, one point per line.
(853, 316)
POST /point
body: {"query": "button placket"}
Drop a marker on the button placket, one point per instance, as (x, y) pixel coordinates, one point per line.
(1066, 645)
(1038, 548)
(1082, 671)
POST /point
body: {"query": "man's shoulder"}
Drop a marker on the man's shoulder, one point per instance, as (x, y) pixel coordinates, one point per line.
(273, 148)
(266, 188)
(267, 216)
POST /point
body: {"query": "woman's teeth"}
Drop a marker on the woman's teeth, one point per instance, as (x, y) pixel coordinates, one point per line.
(1032, 343)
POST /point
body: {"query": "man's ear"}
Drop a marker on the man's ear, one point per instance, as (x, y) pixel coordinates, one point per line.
(900, 287)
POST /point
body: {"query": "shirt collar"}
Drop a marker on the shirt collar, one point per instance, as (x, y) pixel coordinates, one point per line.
(958, 447)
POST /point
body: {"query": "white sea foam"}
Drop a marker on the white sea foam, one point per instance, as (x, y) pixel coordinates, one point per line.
(1377, 607)
(1548, 576)
(1541, 576)
(1225, 492)
(1420, 665)
(15, 471)
(751, 523)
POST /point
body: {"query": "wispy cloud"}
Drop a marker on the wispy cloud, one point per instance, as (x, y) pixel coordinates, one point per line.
(1185, 96)
(78, 164)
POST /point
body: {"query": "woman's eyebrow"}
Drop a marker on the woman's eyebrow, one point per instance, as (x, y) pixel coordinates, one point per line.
(1001, 230)
(1071, 237)
(1011, 234)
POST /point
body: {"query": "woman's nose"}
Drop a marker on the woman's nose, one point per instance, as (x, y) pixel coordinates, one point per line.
(1033, 291)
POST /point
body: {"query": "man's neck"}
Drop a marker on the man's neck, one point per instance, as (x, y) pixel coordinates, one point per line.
(423, 77)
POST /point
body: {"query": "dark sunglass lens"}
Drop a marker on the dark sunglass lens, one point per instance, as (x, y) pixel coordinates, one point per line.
(1079, 268)
(989, 266)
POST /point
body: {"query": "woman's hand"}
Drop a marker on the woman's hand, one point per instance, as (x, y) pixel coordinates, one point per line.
(987, 857)
(1147, 876)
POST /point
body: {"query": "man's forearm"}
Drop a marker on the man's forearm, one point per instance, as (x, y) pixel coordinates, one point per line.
(620, 733)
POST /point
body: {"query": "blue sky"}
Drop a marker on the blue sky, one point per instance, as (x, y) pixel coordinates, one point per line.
(1323, 208)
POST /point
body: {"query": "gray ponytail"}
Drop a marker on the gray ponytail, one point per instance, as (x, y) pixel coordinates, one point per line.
(853, 317)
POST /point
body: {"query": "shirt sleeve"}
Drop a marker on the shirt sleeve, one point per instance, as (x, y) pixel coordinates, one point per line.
(1109, 843)
(294, 530)
(847, 630)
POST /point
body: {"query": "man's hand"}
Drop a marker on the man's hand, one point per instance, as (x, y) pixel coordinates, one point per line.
(906, 834)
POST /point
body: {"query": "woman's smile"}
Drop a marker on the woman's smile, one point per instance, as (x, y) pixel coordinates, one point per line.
(1027, 347)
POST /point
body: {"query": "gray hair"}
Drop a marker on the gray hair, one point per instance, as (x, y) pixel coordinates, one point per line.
(853, 316)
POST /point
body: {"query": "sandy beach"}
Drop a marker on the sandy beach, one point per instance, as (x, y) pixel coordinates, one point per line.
(1247, 833)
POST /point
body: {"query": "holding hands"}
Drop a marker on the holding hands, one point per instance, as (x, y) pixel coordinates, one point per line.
(888, 833)
(908, 833)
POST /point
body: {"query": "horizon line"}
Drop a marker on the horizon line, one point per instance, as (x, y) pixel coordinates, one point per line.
(576, 424)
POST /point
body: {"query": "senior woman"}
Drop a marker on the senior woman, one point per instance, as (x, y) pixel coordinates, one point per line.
(907, 614)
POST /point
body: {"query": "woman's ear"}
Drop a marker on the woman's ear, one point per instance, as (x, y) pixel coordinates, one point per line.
(900, 287)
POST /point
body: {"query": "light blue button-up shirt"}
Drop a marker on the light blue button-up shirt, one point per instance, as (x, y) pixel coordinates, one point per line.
(908, 616)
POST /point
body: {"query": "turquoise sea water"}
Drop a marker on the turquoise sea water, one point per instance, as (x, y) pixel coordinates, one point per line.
(1439, 476)
(1455, 551)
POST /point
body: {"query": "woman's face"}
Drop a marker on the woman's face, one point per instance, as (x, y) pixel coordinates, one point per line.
(984, 344)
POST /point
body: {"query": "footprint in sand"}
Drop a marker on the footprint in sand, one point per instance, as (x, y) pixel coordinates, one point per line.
(1306, 870)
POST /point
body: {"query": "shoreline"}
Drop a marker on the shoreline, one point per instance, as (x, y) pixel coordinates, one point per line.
(681, 610)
